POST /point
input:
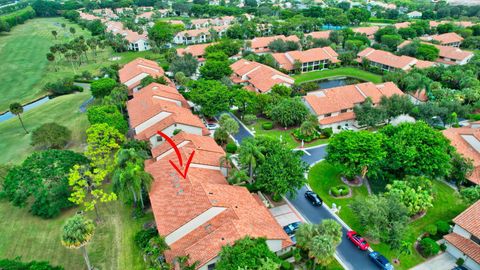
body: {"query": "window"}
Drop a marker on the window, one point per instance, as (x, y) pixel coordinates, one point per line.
(327, 115)
(159, 138)
(211, 266)
(344, 111)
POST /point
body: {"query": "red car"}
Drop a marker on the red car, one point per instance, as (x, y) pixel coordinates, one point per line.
(357, 240)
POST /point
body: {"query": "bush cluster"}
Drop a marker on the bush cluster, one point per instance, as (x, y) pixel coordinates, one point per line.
(429, 247)
(443, 227)
(231, 148)
(340, 190)
(249, 119)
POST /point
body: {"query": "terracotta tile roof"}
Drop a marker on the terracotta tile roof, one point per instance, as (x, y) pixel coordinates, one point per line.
(287, 59)
(389, 59)
(335, 99)
(195, 50)
(338, 118)
(178, 201)
(368, 31)
(402, 25)
(446, 38)
(420, 95)
(137, 67)
(194, 32)
(456, 137)
(175, 22)
(207, 152)
(320, 34)
(88, 17)
(131, 36)
(457, 23)
(445, 52)
(262, 77)
(470, 219)
(259, 43)
(467, 246)
(160, 91)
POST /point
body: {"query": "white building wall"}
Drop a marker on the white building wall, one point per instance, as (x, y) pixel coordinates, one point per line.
(169, 132)
(135, 79)
(274, 245)
(150, 122)
(459, 230)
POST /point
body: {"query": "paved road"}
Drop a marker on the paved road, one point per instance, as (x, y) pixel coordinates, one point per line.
(351, 257)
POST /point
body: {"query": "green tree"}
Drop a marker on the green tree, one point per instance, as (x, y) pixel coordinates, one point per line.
(384, 217)
(461, 168)
(471, 194)
(281, 171)
(356, 152)
(229, 124)
(119, 97)
(215, 70)
(391, 41)
(415, 192)
(416, 149)
(107, 114)
(250, 154)
(77, 232)
(162, 32)
(186, 64)
(129, 177)
(320, 240)
(368, 115)
(246, 101)
(103, 141)
(51, 136)
(358, 15)
(396, 105)
(246, 253)
(102, 87)
(17, 109)
(41, 182)
(212, 96)
(289, 112)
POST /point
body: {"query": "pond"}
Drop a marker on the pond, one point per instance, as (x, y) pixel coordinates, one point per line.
(7, 115)
(335, 82)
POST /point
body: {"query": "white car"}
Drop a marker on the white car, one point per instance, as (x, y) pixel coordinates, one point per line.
(212, 126)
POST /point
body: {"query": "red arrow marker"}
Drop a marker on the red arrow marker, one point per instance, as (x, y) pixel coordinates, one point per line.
(179, 156)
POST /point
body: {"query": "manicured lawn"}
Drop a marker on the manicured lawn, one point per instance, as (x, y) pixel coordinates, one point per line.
(63, 110)
(447, 205)
(33, 238)
(25, 69)
(286, 135)
(338, 72)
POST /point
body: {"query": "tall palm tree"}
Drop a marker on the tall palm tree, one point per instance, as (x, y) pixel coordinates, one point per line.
(77, 233)
(17, 109)
(54, 33)
(119, 96)
(250, 154)
(227, 162)
(129, 177)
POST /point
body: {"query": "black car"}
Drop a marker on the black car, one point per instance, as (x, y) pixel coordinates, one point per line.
(291, 228)
(313, 198)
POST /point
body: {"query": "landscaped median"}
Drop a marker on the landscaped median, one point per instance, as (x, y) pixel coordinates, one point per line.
(338, 72)
(446, 205)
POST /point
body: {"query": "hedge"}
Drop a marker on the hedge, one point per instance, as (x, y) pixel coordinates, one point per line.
(442, 227)
(429, 247)
(340, 190)
(231, 148)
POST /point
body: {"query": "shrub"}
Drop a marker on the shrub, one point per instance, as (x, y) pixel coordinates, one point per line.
(443, 247)
(474, 117)
(328, 132)
(286, 266)
(431, 229)
(142, 237)
(442, 227)
(429, 247)
(231, 148)
(460, 261)
(344, 191)
(276, 197)
(335, 192)
(7, 264)
(249, 118)
(176, 131)
(108, 114)
(102, 87)
(51, 136)
(62, 87)
(267, 125)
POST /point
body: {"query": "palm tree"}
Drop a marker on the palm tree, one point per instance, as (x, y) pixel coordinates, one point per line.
(129, 177)
(54, 33)
(77, 233)
(17, 109)
(227, 162)
(249, 155)
(309, 126)
(119, 96)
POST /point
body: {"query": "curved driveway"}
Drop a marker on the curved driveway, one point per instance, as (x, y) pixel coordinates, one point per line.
(350, 257)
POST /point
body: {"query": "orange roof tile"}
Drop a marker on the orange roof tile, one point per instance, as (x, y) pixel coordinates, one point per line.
(137, 67)
(446, 38)
(320, 34)
(445, 52)
(389, 59)
(467, 246)
(368, 31)
(469, 219)
(402, 25)
(287, 59)
(338, 118)
(335, 99)
(195, 50)
(259, 43)
(262, 77)
(457, 139)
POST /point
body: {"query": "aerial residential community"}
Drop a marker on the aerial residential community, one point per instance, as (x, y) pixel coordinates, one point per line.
(240, 134)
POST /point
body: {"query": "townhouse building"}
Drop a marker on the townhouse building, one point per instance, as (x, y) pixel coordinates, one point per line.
(388, 61)
(309, 60)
